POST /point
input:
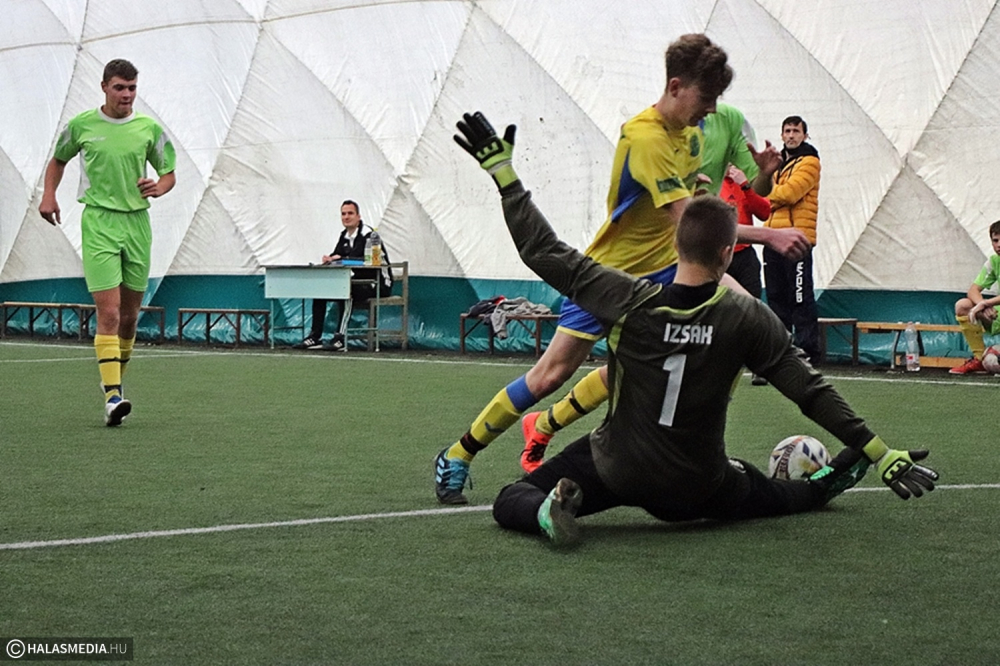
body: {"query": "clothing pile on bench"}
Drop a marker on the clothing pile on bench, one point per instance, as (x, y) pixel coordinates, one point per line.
(501, 307)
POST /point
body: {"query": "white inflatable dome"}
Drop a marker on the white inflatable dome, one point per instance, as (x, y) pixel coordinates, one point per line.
(281, 109)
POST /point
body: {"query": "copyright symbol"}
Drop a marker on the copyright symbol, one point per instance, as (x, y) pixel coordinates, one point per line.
(15, 649)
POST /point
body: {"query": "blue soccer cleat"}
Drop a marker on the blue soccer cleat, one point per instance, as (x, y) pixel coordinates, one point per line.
(450, 476)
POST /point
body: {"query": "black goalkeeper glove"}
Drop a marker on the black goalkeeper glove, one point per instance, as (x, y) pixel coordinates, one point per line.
(899, 469)
(494, 154)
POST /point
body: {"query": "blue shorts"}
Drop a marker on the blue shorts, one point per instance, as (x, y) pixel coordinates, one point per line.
(575, 321)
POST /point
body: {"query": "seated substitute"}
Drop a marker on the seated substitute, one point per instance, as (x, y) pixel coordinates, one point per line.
(674, 354)
(976, 313)
(350, 245)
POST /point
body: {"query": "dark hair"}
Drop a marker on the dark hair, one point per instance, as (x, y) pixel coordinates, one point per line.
(693, 58)
(707, 225)
(995, 228)
(795, 120)
(348, 202)
(123, 69)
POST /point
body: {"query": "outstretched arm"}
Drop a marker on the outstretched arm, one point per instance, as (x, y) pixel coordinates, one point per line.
(604, 292)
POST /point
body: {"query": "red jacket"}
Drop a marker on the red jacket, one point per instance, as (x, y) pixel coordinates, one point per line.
(747, 203)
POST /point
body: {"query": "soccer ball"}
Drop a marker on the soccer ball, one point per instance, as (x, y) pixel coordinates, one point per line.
(797, 457)
(991, 360)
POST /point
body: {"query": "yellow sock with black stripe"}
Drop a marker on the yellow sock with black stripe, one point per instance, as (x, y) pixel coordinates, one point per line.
(588, 394)
(109, 363)
(125, 346)
(500, 413)
(973, 333)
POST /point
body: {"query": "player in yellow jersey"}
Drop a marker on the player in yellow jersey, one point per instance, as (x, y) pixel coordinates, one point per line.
(115, 144)
(654, 175)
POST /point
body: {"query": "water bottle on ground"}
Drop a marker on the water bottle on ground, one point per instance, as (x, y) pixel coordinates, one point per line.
(376, 243)
(912, 348)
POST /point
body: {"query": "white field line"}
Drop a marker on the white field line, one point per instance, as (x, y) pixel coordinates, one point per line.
(108, 538)
(147, 354)
(27, 545)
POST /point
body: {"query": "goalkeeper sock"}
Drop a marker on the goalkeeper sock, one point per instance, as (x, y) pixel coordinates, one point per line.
(125, 345)
(109, 363)
(588, 394)
(973, 333)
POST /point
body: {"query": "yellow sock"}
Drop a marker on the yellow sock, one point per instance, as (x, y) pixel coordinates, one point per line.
(498, 415)
(973, 333)
(125, 345)
(588, 394)
(109, 363)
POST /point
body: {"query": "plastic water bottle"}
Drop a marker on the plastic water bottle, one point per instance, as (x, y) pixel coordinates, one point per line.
(369, 249)
(912, 348)
(376, 243)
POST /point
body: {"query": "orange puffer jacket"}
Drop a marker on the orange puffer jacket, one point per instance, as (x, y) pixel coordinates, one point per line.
(795, 194)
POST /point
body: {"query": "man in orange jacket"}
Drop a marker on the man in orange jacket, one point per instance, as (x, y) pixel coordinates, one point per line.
(795, 203)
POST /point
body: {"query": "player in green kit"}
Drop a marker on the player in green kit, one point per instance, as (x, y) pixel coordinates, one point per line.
(115, 144)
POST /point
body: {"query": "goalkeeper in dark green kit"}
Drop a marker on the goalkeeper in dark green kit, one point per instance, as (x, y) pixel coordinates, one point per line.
(675, 353)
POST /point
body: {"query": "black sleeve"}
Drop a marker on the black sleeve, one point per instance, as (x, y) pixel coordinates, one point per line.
(775, 358)
(604, 292)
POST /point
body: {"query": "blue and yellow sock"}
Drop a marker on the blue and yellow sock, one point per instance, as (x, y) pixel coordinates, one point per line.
(500, 413)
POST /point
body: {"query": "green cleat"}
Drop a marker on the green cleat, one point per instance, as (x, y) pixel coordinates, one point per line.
(557, 515)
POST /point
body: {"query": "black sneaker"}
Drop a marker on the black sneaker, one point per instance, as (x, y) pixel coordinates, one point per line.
(337, 344)
(309, 343)
(757, 380)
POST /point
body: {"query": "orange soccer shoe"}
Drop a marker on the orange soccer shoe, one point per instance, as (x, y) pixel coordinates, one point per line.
(970, 367)
(535, 442)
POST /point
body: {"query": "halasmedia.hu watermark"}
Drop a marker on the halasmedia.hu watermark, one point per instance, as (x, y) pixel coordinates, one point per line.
(58, 649)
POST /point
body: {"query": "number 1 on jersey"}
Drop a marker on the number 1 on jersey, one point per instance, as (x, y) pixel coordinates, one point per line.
(674, 367)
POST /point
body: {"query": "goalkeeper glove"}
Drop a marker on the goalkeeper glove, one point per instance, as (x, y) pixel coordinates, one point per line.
(899, 470)
(843, 473)
(494, 154)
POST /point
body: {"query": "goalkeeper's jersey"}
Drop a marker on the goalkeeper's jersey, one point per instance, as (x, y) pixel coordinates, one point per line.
(114, 156)
(675, 353)
(653, 167)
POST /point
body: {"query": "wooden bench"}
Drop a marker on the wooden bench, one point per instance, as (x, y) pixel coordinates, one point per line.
(83, 311)
(835, 323)
(216, 316)
(532, 323)
(9, 309)
(898, 327)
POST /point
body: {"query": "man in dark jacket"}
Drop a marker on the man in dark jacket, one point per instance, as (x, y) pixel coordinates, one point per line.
(350, 245)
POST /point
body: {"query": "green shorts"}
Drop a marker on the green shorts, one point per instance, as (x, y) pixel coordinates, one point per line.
(116, 248)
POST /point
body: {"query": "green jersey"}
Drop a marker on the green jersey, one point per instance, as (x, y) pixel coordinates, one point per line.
(675, 353)
(990, 273)
(115, 153)
(727, 132)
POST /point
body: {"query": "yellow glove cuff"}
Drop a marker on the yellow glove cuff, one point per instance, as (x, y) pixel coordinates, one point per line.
(875, 449)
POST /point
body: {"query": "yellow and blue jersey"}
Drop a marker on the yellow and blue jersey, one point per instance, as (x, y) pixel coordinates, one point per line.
(653, 167)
